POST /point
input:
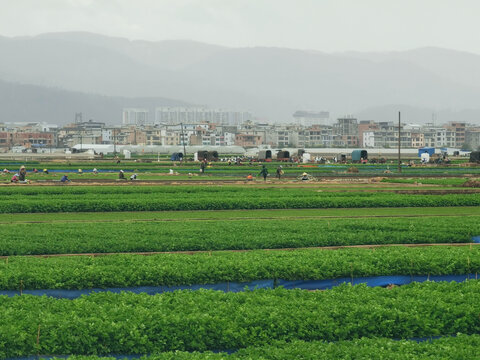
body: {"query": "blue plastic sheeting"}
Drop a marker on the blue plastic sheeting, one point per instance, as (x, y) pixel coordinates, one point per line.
(369, 281)
(476, 239)
(150, 290)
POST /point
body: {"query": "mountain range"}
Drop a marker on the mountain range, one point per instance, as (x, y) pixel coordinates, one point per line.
(64, 73)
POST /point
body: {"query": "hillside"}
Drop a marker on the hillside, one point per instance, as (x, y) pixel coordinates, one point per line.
(270, 82)
(36, 103)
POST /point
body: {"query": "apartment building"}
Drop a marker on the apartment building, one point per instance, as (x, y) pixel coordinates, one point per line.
(472, 138)
(311, 118)
(176, 115)
(135, 116)
(248, 140)
(459, 129)
(347, 130)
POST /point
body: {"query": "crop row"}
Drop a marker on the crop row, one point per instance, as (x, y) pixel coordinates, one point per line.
(441, 181)
(26, 192)
(203, 268)
(106, 323)
(207, 235)
(163, 192)
(157, 202)
(458, 347)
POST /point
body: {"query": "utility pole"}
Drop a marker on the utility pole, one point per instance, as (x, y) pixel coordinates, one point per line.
(114, 142)
(399, 144)
(183, 140)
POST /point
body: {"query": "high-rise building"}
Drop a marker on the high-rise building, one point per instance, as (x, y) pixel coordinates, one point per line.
(311, 118)
(347, 130)
(134, 116)
(176, 115)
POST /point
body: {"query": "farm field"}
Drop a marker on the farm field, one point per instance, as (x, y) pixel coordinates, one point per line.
(238, 214)
(218, 171)
(210, 235)
(31, 199)
(461, 346)
(85, 237)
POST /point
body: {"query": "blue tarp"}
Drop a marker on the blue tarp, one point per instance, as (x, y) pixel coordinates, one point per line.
(429, 150)
(476, 239)
(258, 284)
(371, 281)
(150, 290)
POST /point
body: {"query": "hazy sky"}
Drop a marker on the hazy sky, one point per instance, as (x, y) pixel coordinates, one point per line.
(326, 25)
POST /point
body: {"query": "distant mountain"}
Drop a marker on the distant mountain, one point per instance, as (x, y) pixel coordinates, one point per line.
(167, 55)
(270, 82)
(458, 66)
(30, 103)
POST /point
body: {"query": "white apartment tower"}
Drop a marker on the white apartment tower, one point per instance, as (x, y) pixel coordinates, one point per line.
(134, 116)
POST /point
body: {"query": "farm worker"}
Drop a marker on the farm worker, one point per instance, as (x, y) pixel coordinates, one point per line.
(22, 173)
(80, 171)
(5, 171)
(95, 171)
(264, 172)
(45, 171)
(64, 178)
(304, 176)
(249, 177)
(202, 167)
(121, 175)
(279, 172)
(14, 178)
(35, 170)
(133, 177)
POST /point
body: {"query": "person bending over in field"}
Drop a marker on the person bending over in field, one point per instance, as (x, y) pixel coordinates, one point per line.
(22, 174)
(121, 175)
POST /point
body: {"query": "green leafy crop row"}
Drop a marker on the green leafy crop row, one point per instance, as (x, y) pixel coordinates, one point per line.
(447, 348)
(203, 268)
(223, 201)
(127, 323)
(141, 236)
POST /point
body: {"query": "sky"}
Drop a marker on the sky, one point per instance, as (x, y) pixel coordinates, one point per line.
(324, 25)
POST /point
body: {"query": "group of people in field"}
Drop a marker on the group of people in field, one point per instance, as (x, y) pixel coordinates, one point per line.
(121, 176)
(21, 175)
(18, 177)
(278, 174)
